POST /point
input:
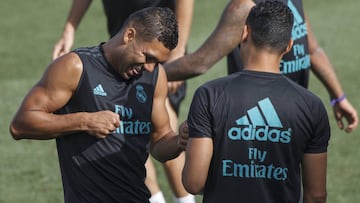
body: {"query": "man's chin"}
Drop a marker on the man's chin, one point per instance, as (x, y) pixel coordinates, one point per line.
(125, 76)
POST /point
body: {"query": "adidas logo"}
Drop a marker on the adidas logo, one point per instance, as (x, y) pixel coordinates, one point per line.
(299, 28)
(99, 90)
(261, 123)
(297, 17)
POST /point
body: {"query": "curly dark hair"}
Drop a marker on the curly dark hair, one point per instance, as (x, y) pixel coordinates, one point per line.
(156, 23)
(271, 24)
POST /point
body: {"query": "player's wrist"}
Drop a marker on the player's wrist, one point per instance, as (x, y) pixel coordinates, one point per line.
(335, 101)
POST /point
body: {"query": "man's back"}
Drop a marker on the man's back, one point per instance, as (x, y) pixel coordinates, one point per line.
(261, 125)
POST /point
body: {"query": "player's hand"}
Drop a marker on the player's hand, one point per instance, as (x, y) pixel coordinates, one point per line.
(64, 44)
(101, 124)
(345, 110)
(183, 135)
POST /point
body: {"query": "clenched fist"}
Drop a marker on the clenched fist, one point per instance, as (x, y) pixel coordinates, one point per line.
(100, 124)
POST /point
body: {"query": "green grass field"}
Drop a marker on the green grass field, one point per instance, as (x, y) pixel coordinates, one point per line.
(29, 170)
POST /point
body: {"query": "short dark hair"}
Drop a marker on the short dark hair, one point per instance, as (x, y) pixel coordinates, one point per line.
(271, 24)
(156, 23)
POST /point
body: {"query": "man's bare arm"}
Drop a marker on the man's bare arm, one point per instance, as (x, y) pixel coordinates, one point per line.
(223, 39)
(35, 118)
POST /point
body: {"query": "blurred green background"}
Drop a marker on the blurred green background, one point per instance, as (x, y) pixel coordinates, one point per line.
(29, 170)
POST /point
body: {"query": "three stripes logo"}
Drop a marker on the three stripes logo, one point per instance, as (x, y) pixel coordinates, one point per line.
(299, 28)
(99, 90)
(261, 123)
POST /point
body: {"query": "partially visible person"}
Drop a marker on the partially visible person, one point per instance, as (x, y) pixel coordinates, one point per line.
(255, 133)
(105, 106)
(116, 12)
(306, 54)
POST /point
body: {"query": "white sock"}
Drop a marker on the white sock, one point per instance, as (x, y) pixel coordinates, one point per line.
(157, 198)
(186, 199)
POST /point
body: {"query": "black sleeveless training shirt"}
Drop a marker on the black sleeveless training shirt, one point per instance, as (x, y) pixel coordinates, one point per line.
(296, 63)
(110, 169)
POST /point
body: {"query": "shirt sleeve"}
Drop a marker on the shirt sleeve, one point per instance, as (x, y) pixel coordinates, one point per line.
(199, 117)
(320, 139)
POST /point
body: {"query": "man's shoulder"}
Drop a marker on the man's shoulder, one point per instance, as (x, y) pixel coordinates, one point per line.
(221, 81)
(304, 93)
(94, 51)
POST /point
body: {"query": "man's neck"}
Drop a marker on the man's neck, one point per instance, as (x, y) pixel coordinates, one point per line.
(262, 62)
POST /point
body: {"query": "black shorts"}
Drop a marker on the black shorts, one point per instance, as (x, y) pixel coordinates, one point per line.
(176, 98)
(234, 63)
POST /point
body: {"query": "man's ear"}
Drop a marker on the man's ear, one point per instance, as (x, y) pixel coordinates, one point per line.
(245, 34)
(129, 34)
(289, 46)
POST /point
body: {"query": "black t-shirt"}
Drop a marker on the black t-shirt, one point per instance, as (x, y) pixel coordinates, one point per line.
(110, 169)
(261, 125)
(294, 64)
